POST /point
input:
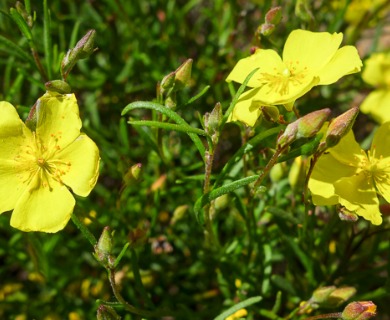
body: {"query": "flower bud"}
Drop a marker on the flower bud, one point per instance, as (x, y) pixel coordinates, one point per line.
(359, 310)
(179, 213)
(106, 313)
(133, 175)
(213, 119)
(311, 123)
(183, 75)
(83, 49)
(266, 29)
(103, 248)
(168, 82)
(346, 215)
(274, 15)
(304, 127)
(331, 297)
(320, 295)
(340, 126)
(270, 113)
(58, 86)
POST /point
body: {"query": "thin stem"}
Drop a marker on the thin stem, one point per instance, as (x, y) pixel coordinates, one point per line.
(268, 167)
(126, 305)
(326, 316)
(84, 230)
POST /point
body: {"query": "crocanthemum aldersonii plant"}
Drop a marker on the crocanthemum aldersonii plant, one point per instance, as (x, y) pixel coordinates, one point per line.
(349, 176)
(377, 74)
(40, 161)
(309, 59)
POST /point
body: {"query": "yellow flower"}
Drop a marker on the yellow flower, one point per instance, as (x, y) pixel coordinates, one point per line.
(349, 176)
(377, 74)
(309, 59)
(38, 165)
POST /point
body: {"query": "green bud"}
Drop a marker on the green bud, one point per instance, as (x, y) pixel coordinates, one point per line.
(320, 295)
(133, 175)
(340, 126)
(331, 297)
(106, 313)
(311, 123)
(221, 202)
(277, 172)
(274, 15)
(266, 29)
(270, 113)
(103, 248)
(359, 310)
(179, 213)
(83, 49)
(183, 75)
(168, 82)
(212, 120)
(58, 86)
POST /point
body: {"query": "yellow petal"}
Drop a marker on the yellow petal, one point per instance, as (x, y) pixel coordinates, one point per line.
(43, 210)
(348, 151)
(246, 110)
(358, 194)
(377, 70)
(14, 136)
(58, 121)
(313, 50)
(381, 142)
(268, 61)
(377, 104)
(326, 172)
(83, 156)
(345, 61)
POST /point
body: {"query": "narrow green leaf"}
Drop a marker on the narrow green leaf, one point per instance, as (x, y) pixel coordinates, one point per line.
(214, 194)
(168, 126)
(13, 49)
(243, 150)
(307, 149)
(21, 23)
(237, 95)
(238, 306)
(47, 39)
(200, 94)
(170, 114)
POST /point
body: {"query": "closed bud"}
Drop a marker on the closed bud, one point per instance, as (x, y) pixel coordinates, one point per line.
(270, 113)
(103, 248)
(359, 310)
(311, 123)
(168, 82)
(179, 213)
(266, 29)
(106, 313)
(274, 15)
(183, 75)
(340, 126)
(346, 215)
(320, 295)
(213, 119)
(133, 175)
(331, 297)
(58, 86)
(304, 127)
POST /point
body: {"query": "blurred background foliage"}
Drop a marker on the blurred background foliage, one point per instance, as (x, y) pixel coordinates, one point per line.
(54, 276)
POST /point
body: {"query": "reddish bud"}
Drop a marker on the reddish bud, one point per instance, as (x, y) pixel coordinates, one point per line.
(359, 310)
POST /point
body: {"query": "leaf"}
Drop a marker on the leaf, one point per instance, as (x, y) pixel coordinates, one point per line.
(170, 114)
(13, 49)
(21, 23)
(214, 194)
(238, 306)
(168, 126)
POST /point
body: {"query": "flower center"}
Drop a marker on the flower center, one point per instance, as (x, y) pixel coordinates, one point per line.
(281, 81)
(40, 164)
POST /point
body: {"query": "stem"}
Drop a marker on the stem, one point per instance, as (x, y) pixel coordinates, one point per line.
(326, 316)
(268, 167)
(84, 230)
(126, 305)
(209, 157)
(38, 63)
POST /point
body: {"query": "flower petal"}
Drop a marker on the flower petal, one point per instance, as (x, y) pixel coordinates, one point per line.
(268, 61)
(14, 137)
(10, 123)
(246, 110)
(58, 121)
(381, 142)
(326, 172)
(83, 156)
(358, 194)
(377, 104)
(42, 209)
(312, 49)
(348, 151)
(345, 61)
(377, 69)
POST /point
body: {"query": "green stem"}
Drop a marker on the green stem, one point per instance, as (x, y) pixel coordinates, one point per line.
(326, 316)
(84, 230)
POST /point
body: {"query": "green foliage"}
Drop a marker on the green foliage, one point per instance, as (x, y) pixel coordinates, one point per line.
(265, 250)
